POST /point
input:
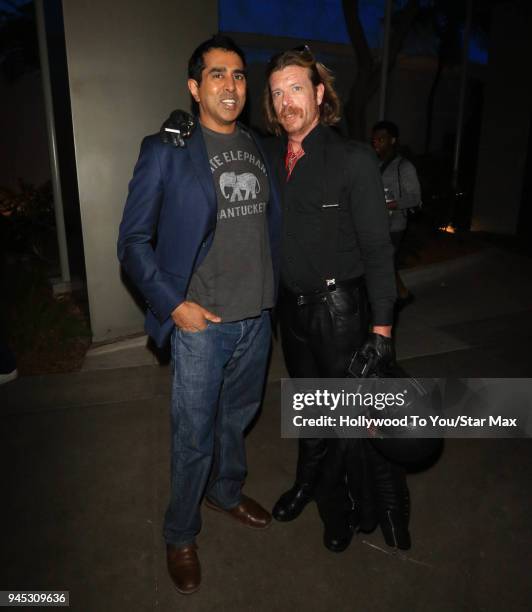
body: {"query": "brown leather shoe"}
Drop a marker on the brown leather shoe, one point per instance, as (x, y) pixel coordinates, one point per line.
(184, 568)
(248, 512)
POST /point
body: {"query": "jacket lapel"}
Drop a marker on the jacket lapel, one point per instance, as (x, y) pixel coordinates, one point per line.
(198, 155)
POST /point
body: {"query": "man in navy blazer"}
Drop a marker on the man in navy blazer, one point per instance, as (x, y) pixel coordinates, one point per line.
(200, 239)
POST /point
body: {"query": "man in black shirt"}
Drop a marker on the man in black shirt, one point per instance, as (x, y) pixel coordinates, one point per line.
(336, 278)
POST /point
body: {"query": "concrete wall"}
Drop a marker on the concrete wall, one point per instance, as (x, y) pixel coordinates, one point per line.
(127, 70)
(506, 123)
(407, 94)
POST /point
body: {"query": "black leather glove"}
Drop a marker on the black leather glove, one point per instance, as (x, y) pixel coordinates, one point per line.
(374, 359)
(177, 128)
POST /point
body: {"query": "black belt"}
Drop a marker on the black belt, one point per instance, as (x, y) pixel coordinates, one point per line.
(321, 296)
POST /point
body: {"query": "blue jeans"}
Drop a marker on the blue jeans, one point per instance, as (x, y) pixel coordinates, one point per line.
(218, 379)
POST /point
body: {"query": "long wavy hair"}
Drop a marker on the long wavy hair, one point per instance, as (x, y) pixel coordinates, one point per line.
(318, 73)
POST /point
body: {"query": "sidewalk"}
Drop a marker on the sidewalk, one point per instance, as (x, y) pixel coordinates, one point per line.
(85, 473)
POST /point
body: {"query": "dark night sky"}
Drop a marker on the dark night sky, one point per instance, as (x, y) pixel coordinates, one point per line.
(323, 20)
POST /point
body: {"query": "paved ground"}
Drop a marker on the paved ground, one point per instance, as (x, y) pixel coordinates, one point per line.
(85, 477)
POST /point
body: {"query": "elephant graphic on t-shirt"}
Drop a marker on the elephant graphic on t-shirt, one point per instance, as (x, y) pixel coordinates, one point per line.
(243, 186)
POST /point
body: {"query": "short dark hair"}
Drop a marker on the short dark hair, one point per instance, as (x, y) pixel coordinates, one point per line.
(387, 126)
(196, 63)
(318, 73)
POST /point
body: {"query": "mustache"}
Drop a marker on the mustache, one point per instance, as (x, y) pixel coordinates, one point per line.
(291, 110)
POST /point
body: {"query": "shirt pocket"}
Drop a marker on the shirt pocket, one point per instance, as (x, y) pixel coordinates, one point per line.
(317, 223)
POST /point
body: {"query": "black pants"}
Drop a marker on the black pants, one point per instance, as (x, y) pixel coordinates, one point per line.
(352, 481)
(319, 338)
(318, 341)
(396, 238)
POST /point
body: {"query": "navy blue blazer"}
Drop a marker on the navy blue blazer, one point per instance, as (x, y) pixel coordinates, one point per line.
(168, 224)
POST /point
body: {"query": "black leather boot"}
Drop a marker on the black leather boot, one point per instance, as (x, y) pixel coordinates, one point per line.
(338, 534)
(291, 503)
(332, 497)
(361, 487)
(392, 497)
(338, 541)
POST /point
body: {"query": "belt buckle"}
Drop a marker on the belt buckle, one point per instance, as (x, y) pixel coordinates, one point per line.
(300, 300)
(331, 284)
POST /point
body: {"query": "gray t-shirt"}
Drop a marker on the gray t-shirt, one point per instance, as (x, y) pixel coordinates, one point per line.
(235, 280)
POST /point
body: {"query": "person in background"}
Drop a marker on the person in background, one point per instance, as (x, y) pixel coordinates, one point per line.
(401, 189)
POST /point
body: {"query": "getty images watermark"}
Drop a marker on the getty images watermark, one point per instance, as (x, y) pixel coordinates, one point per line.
(407, 407)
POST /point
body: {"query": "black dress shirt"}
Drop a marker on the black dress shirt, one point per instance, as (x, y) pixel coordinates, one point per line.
(335, 223)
